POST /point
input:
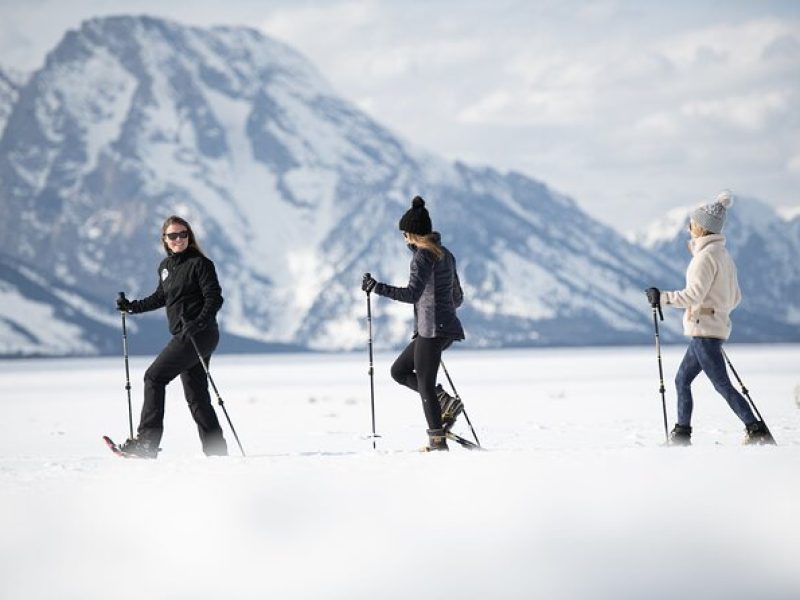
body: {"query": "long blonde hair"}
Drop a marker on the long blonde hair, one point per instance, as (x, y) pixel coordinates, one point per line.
(426, 242)
(701, 231)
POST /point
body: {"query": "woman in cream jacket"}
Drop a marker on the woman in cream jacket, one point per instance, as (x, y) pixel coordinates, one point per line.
(710, 295)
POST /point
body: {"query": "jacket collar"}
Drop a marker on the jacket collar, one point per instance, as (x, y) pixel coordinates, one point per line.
(179, 257)
(437, 237)
(697, 244)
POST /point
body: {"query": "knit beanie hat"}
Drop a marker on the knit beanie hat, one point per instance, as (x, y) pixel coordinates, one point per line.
(711, 217)
(416, 220)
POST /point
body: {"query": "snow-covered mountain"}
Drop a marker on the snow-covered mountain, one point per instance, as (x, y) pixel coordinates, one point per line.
(765, 246)
(294, 193)
(10, 82)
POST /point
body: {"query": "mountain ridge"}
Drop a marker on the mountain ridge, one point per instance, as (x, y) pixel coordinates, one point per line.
(294, 192)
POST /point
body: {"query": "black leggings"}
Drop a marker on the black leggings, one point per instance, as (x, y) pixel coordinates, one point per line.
(416, 368)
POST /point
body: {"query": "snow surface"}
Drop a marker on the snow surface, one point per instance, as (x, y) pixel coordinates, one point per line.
(576, 498)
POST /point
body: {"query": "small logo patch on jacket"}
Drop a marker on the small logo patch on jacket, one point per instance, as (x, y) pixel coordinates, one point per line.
(164, 274)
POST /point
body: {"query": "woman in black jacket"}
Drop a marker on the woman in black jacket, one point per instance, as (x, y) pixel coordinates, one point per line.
(189, 289)
(434, 290)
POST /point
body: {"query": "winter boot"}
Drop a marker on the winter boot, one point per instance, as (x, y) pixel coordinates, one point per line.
(451, 407)
(437, 441)
(757, 433)
(681, 435)
(139, 448)
(215, 447)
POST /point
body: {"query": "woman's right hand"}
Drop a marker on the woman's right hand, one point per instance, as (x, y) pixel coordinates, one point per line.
(123, 304)
(368, 283)
(653, 296)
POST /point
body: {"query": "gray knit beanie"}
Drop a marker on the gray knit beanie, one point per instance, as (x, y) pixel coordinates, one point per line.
(711, 217)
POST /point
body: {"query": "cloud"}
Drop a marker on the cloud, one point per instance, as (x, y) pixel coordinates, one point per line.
(740, 45)
(487, 108)
(599, 100)
(657, 124)
(321, 22)
(783, 47)
(551, 107)
(407, 59)
(749, 112)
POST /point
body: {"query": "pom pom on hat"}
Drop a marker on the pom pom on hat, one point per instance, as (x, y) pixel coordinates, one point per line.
(416, 219)
(725, 198)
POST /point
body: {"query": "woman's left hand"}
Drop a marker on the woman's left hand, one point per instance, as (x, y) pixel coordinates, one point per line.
(191, 328)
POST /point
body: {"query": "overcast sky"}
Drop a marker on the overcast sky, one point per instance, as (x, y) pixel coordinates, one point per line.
(631, 107)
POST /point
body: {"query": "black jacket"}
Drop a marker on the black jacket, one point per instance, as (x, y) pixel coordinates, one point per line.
(435, 291)
(188, 287)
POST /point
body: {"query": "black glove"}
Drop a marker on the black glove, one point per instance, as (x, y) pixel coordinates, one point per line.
(191, 328)
(368, 283)
(124, 305)
(653, 296)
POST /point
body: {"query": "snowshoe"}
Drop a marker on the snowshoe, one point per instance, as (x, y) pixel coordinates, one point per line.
(758, 433)
(132, 448)
(463, 442)
(681, 435)
(451, 407)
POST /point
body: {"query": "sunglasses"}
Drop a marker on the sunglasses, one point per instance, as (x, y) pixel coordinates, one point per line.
(178, 234)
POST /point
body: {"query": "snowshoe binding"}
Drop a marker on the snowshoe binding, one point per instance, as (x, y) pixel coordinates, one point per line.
(437, 441)
(451, 407)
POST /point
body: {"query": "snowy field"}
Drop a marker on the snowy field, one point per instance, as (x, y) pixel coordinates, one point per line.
(577, 497)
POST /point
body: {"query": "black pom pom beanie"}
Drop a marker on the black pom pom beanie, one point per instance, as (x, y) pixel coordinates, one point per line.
(416, 220)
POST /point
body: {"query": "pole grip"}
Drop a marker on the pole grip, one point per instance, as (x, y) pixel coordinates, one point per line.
(660, 314)
(120, 299)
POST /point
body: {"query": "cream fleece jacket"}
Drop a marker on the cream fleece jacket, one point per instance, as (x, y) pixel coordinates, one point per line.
(711, 292)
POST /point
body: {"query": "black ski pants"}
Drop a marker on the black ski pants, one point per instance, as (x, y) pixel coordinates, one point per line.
(417, 367)
(180, 358)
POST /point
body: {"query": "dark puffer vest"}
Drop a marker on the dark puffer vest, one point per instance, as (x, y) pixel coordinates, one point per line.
(434, 290)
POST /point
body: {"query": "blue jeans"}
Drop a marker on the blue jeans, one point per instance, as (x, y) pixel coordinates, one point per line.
(705, 354)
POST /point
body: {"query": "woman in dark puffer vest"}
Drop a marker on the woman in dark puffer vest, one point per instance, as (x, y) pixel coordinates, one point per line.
(434, 290)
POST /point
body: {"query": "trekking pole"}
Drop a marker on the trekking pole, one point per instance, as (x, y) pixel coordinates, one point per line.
(216, 391)
(464, 408)
(746, 394)
(661, 370)
(127, 369)
(371, 369)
